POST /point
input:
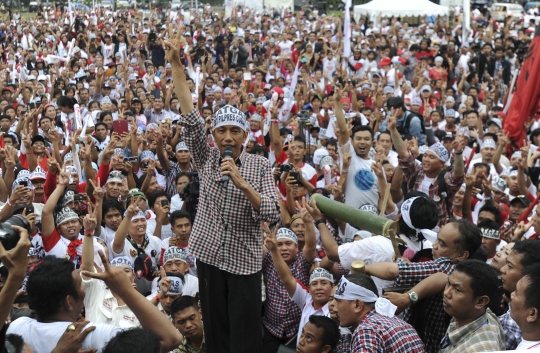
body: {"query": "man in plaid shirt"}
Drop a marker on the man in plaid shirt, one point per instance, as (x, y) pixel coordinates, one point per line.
(455, 242)
(226, 234)
(376, 329)
(433, 163)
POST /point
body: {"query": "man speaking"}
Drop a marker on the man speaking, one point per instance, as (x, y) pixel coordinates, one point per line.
(236, 194)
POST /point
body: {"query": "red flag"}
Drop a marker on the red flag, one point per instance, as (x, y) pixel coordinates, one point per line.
(526, 97)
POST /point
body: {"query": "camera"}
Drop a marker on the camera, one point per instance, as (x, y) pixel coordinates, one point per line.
(285, 168)
(303, 116)
(190, 194)
(9, 237)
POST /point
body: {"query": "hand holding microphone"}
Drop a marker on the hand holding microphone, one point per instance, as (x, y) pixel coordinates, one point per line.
(226, 167)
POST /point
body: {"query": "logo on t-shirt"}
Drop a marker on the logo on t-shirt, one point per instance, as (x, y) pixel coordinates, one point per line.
(364, 179)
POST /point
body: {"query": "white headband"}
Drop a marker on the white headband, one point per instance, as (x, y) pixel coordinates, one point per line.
(229, 115)
(285, 233)
(347, 290)
(405, 214)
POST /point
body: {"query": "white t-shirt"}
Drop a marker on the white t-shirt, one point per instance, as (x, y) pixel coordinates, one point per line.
(102, 307)
(329, 67)
(370, 250)
(361, 187)
(426, 183)
(153, 249)
(57, 245)
(166, 231)
(526, 345)
(304, 300)
(43, 337)
(176, 203)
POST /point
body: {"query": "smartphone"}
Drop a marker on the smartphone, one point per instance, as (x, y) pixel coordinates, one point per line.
(23, 183)
(295, 175)
(250, 67)
(247, 76)
(78, 197)
(156, 93)
(38, 104)
(29, 209)
(120, 126)
(164, 202)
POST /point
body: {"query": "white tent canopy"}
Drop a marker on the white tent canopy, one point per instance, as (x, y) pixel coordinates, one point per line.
(388, 8)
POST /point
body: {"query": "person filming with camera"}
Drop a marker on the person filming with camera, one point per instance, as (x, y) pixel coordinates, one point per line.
(236, 193)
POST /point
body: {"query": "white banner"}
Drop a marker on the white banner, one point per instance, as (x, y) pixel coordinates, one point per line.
(347, 29)
(466, 21)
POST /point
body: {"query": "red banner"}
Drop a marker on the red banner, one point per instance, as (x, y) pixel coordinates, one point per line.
(526, 96)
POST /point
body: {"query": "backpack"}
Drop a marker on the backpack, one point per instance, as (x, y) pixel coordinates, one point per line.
(408, 119)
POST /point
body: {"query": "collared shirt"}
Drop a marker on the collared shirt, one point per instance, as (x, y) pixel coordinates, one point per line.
(431, 324)
(281, 314)
(410, 168)
(102, 307)
(227, 232)
(484, 334)
(344, 343)
(154, 117)
(170, 175)
(384, 334)
(511, 330)
(186, 347)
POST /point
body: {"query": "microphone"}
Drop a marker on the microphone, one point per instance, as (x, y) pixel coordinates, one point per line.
(228, 153)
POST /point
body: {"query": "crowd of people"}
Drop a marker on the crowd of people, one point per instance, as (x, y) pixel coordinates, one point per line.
(157, 168)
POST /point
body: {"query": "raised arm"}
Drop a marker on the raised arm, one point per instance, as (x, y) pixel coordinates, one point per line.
(283, 270)
(343, 137)
(399, 144)
(310, 246)
(123, 228)
(47, 219)
(328, 241)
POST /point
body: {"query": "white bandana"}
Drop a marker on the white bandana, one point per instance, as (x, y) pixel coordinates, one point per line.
(176, 287)
(347, 290)
(489, 143)
(285, 233)
(229, 115)
(319, 273)
(405, 214)
(490, 233)
(122, 261)
(174, 253)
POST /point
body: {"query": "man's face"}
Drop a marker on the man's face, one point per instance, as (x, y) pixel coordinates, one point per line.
(79, 287)
(516, 210)
(189, 322)
(137, 227)
(487, 154)
(431, 163)
(311, 340)
(288, 250)
(112, 219)
(230, 136)
(458, 296)
(490, 245)
(158, 104)
(445, 246)
(101, 131)
(297, 151)
(511, 272)
(70, 229)
(320, 290)
(520, 312)
(299, 228)
(113, 189)
(176, 266)
(362, 142)
(167, 301)
(386, 142)
(182, 229)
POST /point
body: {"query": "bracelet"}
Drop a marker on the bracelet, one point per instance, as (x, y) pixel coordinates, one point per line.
(345, 172)
(274, 121)
(458, 153)
(88, 233)
(157, 298)
(11, 204)
(322, 220)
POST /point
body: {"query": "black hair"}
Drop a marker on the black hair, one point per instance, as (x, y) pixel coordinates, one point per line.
(483, 277)
(103, 114)
(49, 284)
(471, 237)
(259, 149)
(384, 132)
(494, 210)
(178, 214)
(101, 123)
(499, 48)
(111, 204)
(480, 254)
(155, 195)
(300, 139)
(358, 128)
(529, 251)
(5, 116)
(65, 101)
(532, 299)
(331, 334)
(363, 281)
(134, 340)
(16, 342)
(182, 174)
(423, 214)
(482, 165)
(332, 142)
(182, 303)
(489, 224)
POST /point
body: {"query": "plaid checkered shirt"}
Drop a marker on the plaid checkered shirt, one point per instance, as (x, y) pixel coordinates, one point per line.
(170, 175)
(511, 329)
(383, 334)
(410, 168)
(484, 334)
(226, 232)
(427, 316)
(281, 314)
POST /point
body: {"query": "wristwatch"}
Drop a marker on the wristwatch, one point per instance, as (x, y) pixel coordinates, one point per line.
(413, 296)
